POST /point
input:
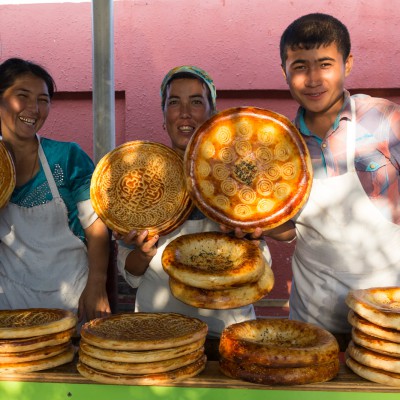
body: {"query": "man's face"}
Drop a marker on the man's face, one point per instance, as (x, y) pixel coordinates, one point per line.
(186, 108)
(316, 78)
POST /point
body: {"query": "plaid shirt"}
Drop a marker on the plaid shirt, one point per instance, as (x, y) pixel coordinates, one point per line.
(377, 158)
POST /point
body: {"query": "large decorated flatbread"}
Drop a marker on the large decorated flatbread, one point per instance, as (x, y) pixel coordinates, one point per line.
(140, 185)
(248, 167)
(7, 174)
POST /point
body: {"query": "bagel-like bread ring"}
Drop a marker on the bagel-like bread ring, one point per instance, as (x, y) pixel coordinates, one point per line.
(39, 365)
(278, 343)
(280, 376)
(212, 260)
(375, 344)
(7, 174)
(176, 375)
(30, 322)
(373, 374)
(140, 356)
(143, 331)
(222, 299)
(372, 359)
(372, 329)
(154, 367)
(379, 305)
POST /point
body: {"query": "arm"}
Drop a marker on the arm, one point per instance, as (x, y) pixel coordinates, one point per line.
(93, 302)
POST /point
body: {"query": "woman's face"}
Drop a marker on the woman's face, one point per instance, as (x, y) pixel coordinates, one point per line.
(24, 107)
(186, 108)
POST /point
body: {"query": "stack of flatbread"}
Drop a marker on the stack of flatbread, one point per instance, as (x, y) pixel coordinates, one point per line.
(278, 352)
(374, 351)
(7, 174)
(35, 339)
(142, 348)
(216, 271)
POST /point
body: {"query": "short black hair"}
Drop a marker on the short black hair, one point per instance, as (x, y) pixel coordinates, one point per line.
(186, 75)
(312, 31)
(13, 68)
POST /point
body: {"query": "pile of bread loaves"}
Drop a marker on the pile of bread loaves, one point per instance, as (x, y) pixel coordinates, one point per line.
(142, 348)
(35, 339)
(374, 351)
(216, 271)
(278, 352)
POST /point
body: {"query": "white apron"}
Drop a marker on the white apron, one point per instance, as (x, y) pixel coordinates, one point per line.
(343, 242)
(42, 263)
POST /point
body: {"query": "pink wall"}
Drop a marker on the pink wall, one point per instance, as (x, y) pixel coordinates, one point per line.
(236, 41)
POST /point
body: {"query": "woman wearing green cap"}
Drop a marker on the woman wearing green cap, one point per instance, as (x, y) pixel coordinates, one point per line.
(188, 98)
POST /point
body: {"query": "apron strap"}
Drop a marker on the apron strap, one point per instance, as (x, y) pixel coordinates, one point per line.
(351, 137)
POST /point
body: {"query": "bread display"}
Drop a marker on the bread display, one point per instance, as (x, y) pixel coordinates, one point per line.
(35, 339)
(140, 185)
(216, 271)
(248, 167)
(142, 348)
(374, 352)
(7, 175)
(278, 351)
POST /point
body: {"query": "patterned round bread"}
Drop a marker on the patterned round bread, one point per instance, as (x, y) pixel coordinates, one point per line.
(375, 344)
(373, 374)
(141, 368)
(280, 376)
(213, 260)
(39, 365)
(372, 329)
(141, 185)
(7, 174)
(144, 356)
(379, 305)
(372, 359)
(32, 322)
(143, 331)
(248, 167)
(278, 343)
(33, 355)
(176, 375)
(222, 299)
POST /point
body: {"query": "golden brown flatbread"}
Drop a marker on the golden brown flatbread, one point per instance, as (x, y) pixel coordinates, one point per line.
(30, 322)
(379, 305)
(278, 343)
(213, 260)
(143, 331)
(144, 356)
(372, 329)
(177, 375)
(248, 167)
(39, 365)
(154, 367)
(141, 185)
(375, 344)
(32, 355)
(7, 174)
(222, 299)
(279, 376)
(373, 359)
(373, 374)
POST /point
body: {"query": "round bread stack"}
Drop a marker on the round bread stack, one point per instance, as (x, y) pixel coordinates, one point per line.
(140, 185)
(7, 174)
(216, 271)
(248, 167)
(142, 348)
(278, 352)
(35, 339)
(374, 351)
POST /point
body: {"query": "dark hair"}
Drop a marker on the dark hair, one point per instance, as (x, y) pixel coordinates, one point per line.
(13, 68)
(312, 31)
(186, 75)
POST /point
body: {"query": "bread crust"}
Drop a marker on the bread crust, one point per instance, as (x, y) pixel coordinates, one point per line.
(280, 376)
(222, 299)
(278, 343)
(213, 260)
(7, 174)
(375, 344)
(379, 305)
(32, 355)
